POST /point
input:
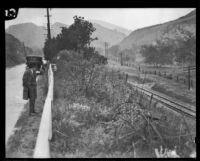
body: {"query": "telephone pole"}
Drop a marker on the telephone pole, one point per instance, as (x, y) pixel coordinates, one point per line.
(188, 70)
(189, 77)
(24, 50)
(121, 58)
(48, 25)
(106, 49)
(48, 54)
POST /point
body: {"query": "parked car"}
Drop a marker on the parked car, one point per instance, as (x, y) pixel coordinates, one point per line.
(35, 61)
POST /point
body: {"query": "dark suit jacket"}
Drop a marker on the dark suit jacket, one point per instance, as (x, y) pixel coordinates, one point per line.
(29, 85)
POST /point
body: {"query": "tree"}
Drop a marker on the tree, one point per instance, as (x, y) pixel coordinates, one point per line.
(76, 37)
(182, 43)
(185, 51)
(150, 53)
(165, 52)
(114, 50)
(128, 55)
(180, 47)
(158, 54)
(15, 51)
(50, 48)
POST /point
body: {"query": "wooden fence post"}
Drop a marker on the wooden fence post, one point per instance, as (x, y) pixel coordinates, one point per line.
(191, 83)
(189, 77)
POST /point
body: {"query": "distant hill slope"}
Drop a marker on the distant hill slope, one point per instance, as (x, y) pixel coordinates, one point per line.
(34, 36)
(112, 26)
(149, 34)
(29, 33)
(106, 35)
(15, 51)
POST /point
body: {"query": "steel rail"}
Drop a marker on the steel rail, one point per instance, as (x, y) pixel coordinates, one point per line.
(176, 106)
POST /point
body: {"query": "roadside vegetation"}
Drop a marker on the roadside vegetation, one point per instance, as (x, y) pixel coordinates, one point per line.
(97, 114)
(163, 80)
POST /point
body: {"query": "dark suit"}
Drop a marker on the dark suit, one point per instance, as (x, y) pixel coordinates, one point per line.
(30, 88)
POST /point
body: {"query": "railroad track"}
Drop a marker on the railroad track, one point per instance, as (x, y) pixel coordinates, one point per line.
(185, 109)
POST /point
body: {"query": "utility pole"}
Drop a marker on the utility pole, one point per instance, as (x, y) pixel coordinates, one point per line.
(25, 54)
(188, 70)
(48, 31)
(121, 58)
(189, 77)
(106, 49)
(48, 25)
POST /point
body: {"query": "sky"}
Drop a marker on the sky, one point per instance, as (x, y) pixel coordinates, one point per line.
(129, 18)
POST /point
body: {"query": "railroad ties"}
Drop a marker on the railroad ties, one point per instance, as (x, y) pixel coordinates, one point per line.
(187, 110)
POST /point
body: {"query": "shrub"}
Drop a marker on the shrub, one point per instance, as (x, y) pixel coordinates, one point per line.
(116, 118)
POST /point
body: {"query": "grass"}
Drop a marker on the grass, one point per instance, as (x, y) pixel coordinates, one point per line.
(171, 73)
(100, 131)
(97, 114)
(81, 134)
(170, 125)
(22, 143)
(87, 134)
(163, 90)
(169, 87)
(139, 79)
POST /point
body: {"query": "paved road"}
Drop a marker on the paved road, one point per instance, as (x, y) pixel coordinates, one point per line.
(14, 101)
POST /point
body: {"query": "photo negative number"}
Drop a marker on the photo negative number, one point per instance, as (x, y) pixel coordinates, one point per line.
(10, 13)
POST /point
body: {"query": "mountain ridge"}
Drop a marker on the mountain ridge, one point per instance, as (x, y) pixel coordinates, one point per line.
(34, 36)
(111, 26)
(149, 34)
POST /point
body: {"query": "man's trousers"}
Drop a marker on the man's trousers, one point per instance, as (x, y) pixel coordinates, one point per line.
(32, 105)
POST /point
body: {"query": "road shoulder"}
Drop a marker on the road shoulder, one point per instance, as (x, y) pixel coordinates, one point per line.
(22, 143)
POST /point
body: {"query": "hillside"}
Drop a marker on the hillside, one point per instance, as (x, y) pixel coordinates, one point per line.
(34, 36)
(149, 34)
(15, 51)
(106, 35)
(112, 26)
(29, 33)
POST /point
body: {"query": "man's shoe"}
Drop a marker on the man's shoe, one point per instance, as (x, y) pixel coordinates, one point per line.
(32, 113)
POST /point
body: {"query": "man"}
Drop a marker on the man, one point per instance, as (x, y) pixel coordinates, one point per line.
(30, 87)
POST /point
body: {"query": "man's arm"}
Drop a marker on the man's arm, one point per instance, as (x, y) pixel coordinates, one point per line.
(26, 79)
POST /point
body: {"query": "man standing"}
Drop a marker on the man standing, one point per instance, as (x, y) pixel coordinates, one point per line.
(30, 87)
